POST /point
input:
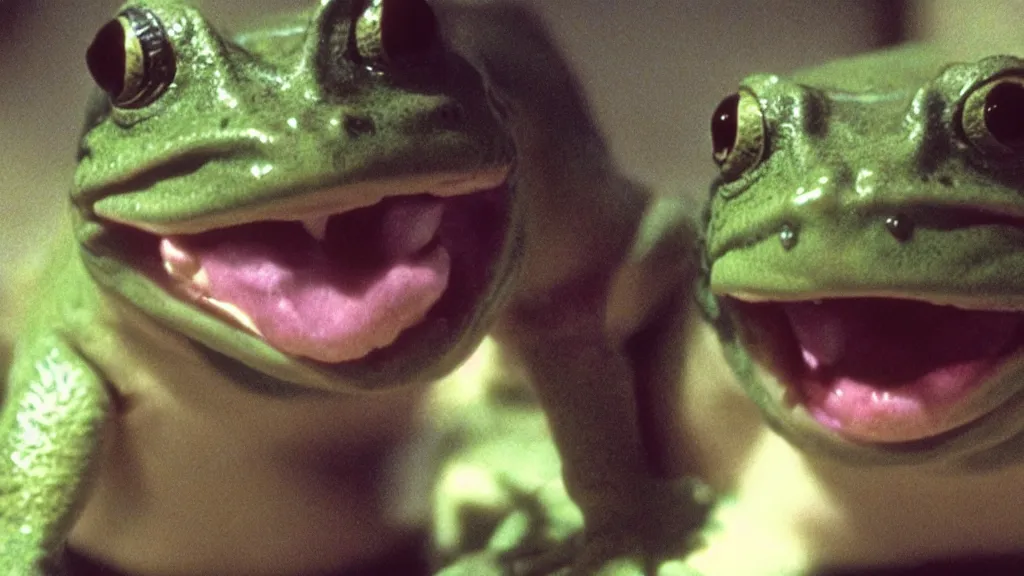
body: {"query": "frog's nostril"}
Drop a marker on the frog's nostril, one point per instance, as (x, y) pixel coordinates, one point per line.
(789, 236)
(408, 29)
(900, 226)
(356, 126)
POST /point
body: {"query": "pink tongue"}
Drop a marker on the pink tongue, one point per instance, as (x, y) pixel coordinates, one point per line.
(306, 303)
(891, 370)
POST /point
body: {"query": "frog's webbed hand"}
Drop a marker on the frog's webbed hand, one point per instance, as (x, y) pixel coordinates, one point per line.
(54, 410)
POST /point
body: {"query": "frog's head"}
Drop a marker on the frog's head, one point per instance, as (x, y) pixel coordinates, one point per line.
(865, 255)
(326, 201)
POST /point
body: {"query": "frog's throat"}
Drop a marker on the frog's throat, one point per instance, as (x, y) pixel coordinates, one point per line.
(359, 284)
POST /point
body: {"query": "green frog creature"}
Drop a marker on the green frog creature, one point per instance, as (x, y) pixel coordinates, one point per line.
(862, 284)
(863, 250)
(276, 242)
(851, 342)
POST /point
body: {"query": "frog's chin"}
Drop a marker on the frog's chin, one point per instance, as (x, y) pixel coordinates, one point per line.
(884, 371)
(375, 296)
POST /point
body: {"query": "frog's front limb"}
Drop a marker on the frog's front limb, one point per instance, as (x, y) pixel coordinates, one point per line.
(501, 502)
(592, 412)
(53, 414)
(564, 324)
(604, 354)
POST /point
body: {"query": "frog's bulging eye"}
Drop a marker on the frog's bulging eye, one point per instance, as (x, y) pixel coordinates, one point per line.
(131, 59)
(364, 40)
(737, 134)
(993, 115)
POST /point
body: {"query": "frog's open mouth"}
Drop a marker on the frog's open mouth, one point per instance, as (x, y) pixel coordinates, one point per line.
(336, 287)
(883, 369)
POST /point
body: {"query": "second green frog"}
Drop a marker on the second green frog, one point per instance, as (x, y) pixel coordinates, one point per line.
(863, 284)
(864, 250)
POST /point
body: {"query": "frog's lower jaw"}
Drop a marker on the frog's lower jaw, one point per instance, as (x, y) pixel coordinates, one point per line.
(341, 287)
(884, 371)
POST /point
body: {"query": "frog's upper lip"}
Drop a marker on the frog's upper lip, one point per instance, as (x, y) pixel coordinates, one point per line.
(962, 301)
(962, 257)
(317, 202)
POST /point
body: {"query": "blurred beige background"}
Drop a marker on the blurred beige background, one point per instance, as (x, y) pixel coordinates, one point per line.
(655, 69)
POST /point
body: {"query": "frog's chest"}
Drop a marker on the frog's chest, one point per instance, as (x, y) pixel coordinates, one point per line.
(791, 514)
(244, 480)
(170, 387)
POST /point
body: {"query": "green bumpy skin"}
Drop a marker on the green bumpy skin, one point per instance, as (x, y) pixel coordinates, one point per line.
(201, 140)
(877, 181)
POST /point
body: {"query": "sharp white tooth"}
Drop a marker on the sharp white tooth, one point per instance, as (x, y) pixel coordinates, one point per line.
(201, 280)
(177, 262)
(235, 313)
(317, 227)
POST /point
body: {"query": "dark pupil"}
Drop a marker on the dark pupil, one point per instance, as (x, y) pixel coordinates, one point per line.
(723, 127)
(105, 58)
(1004, 114)
(408, 29)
